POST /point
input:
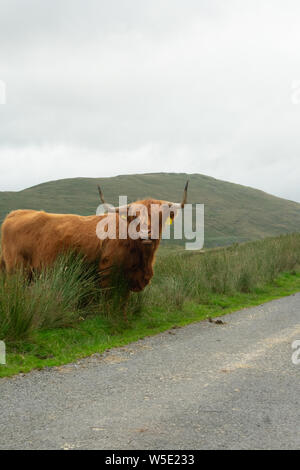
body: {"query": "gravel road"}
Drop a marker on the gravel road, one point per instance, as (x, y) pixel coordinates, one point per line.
(204, 386)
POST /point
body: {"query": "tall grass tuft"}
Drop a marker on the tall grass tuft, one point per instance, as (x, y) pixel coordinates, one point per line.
(16, 308)
(243, 268)
(56, 297)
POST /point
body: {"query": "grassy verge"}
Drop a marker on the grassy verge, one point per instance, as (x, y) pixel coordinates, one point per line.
(59, 346)
(63, 315)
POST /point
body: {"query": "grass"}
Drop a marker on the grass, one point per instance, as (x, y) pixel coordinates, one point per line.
(63, 315)
(233, 213)
(56, 297)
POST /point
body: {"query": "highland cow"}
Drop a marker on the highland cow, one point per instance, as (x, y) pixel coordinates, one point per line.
(32, 240)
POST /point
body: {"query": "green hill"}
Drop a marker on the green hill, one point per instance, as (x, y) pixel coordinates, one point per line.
(233, 213)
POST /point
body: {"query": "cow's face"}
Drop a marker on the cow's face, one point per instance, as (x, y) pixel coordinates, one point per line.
(146, 219)
(139, 226)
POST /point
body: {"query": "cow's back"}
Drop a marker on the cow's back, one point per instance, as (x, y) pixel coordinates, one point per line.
(35, 238)
(20, 234)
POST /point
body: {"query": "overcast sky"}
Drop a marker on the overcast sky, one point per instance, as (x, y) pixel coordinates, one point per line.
(100, 88)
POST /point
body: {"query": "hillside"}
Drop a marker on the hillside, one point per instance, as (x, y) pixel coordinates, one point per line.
(233, 213)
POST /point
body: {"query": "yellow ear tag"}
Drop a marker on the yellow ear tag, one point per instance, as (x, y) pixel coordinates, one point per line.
(123, 216)
(169, 221)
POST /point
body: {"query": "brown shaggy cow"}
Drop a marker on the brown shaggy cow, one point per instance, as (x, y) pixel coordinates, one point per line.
(33, 239)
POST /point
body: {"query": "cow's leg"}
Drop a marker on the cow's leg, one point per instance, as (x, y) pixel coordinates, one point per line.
(29, 274)
(2, 265)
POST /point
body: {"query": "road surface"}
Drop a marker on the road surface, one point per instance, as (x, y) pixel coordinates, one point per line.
(205, 386)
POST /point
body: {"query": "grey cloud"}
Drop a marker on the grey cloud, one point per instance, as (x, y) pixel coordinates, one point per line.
(197, 86)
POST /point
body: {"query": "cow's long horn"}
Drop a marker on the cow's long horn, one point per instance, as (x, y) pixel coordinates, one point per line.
(101, 195)
(108, 207)
(184, 199)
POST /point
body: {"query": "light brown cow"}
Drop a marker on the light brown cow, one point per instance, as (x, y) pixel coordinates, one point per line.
(34, 239)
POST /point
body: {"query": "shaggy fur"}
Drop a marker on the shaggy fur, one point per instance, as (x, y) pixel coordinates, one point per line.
(32, 240)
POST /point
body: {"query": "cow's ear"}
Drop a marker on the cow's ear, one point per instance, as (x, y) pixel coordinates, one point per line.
(170, 219)
(173, 213)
